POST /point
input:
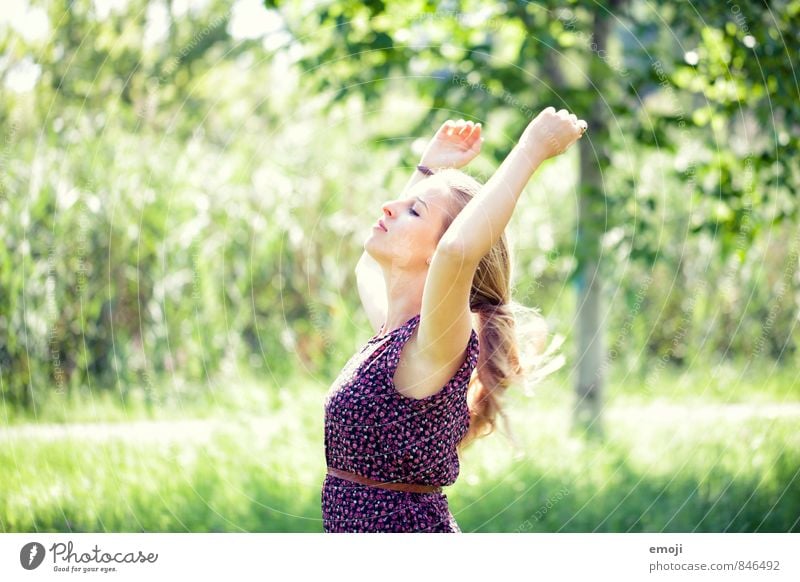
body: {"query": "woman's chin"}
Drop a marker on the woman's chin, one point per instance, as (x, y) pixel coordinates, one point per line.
(375, 234)
(375, 250)
(370, 244)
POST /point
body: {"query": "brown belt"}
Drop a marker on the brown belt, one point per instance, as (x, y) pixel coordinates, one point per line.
(409, 487)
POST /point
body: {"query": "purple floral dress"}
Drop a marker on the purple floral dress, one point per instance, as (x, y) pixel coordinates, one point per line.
(373, 430)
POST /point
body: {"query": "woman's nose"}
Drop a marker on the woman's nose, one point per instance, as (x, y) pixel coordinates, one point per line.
(388, 208)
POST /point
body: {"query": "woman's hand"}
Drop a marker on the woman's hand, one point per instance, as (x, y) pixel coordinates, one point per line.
(455, 144)
(551, 133)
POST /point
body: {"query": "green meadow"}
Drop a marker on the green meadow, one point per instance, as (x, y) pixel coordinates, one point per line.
(719, 461)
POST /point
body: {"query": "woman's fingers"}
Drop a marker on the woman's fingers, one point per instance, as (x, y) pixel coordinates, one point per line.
(469, 131)
(447, 127)
(462, 130)
(574, 120)
(457, 128)
(476, 131)
(474, 134)
(579, 125)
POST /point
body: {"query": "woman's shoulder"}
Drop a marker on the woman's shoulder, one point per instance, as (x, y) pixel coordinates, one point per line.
(418, 377)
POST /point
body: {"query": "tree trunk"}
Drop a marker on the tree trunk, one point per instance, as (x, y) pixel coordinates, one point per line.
(590, 344)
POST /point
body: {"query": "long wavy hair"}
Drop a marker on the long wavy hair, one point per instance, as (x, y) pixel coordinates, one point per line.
(503, 327)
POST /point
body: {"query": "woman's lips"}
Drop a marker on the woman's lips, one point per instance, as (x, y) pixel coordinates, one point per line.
(381, 226)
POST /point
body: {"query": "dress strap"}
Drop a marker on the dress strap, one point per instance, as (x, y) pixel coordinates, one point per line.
(404, 333)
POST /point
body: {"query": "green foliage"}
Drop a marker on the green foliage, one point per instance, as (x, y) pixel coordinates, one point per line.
(180, 209)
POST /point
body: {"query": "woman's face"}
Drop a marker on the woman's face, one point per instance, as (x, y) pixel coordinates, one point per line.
(413, 226)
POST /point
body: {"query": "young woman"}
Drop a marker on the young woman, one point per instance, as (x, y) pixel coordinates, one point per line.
(405, 405)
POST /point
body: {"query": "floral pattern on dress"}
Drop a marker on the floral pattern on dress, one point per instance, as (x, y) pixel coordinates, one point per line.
(373, 430)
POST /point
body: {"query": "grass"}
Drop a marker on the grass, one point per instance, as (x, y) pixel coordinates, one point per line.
(256, 464)
(761, 383)
(654, 471)
(176, 401)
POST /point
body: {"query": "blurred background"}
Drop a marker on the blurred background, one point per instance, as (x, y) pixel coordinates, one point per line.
(186, 187)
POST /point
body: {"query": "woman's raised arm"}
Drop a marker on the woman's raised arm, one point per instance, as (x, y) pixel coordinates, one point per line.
(482, 221)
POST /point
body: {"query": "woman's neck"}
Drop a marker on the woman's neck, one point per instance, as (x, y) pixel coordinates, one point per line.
(403, 296)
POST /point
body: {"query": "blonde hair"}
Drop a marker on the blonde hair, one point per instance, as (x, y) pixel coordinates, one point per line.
(504, 325)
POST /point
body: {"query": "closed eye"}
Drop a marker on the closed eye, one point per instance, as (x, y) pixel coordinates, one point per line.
(414, 212)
